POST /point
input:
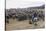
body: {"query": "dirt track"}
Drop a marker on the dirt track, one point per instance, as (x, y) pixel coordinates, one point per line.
(18, 25)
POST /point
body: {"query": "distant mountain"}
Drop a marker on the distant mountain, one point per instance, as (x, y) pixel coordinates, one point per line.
(38, 7)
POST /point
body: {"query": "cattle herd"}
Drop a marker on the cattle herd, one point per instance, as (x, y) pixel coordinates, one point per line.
(23, 14)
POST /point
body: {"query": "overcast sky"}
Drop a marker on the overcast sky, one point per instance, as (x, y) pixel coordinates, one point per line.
(23, 3)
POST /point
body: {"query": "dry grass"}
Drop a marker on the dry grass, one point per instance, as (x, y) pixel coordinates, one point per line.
(18, 25)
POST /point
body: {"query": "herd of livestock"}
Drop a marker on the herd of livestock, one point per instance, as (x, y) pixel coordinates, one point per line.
(24, 14)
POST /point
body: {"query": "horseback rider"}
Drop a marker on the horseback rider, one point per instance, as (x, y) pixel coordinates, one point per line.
(34, 16)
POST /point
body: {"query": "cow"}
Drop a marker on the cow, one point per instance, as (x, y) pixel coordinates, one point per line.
(20, 17)
(8, 15)
(7, 19)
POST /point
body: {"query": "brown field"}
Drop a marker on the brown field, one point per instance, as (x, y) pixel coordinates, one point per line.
(20, 25)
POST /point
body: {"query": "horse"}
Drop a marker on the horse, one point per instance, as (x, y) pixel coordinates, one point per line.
(34, 18)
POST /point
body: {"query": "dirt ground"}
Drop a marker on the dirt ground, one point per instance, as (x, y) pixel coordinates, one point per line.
(20, 25)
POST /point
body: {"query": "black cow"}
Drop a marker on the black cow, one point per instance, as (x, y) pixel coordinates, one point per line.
(20, 18)
(7, 19)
